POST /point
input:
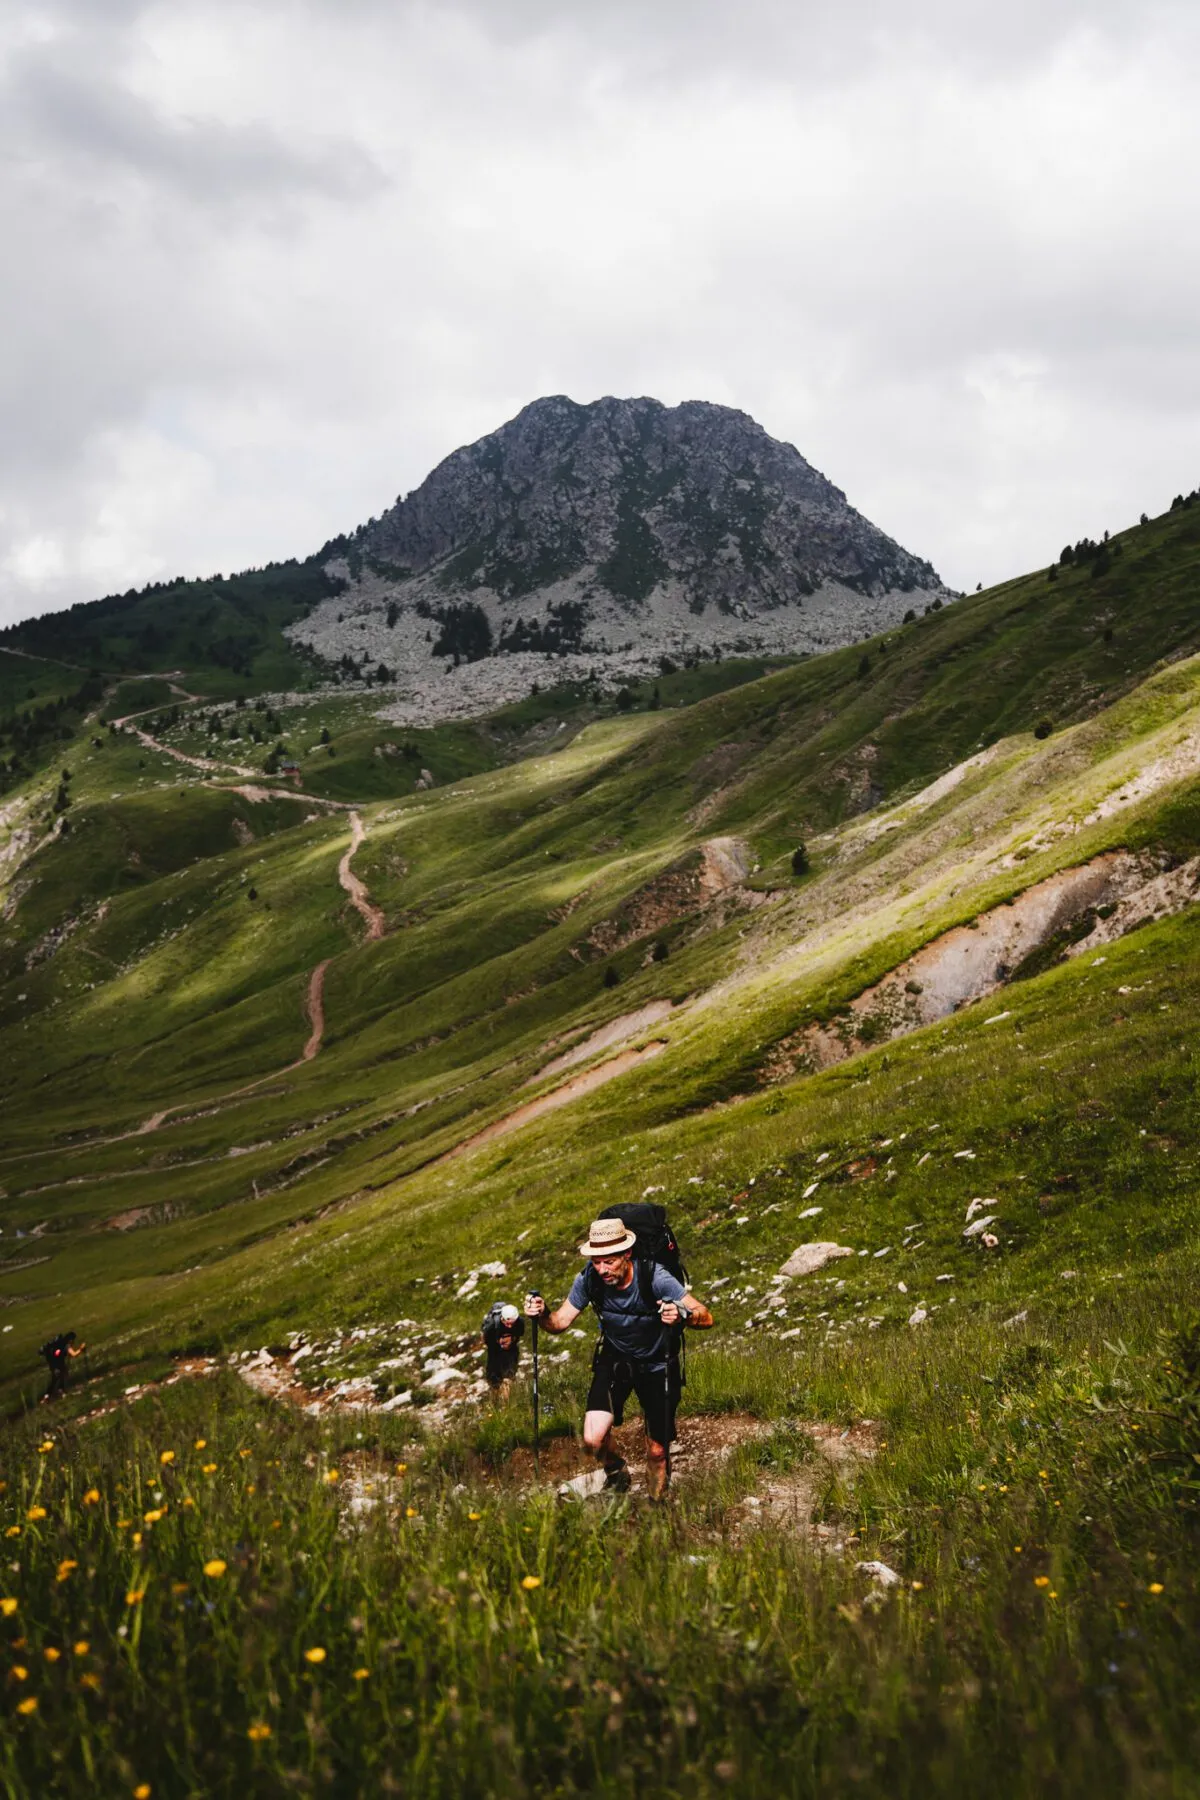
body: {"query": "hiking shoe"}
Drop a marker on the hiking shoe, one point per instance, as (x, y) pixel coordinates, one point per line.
(618, 1481)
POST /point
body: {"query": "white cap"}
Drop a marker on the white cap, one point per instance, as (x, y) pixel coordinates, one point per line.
(509, 1314)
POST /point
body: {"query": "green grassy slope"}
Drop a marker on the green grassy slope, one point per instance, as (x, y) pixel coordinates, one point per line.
(1037, 1426)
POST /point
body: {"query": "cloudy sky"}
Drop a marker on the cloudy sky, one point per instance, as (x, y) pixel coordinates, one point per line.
(267, 261)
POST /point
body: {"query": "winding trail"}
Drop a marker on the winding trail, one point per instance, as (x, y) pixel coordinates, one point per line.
(359, 898)
(316, 1011)
(376, 924)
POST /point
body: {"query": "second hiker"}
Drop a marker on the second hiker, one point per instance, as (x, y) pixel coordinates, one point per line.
(642, 1311)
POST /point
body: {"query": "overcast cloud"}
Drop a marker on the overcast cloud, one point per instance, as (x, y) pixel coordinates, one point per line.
(267, 262)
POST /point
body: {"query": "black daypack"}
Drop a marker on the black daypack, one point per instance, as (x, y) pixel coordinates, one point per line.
(55, 1349)
(656, 1242)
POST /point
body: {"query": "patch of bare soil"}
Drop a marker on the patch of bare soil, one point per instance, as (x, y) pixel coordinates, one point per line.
(617, 1031)
(560, 1096)
(693, 884)
(704, 1441)
(788, 1501)
(973, 960)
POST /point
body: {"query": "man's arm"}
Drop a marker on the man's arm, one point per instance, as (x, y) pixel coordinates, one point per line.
(558, 1320)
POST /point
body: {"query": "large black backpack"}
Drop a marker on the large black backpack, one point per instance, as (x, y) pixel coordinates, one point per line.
(656, 1242)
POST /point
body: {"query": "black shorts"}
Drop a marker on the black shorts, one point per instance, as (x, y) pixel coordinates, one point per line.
(614, 1378)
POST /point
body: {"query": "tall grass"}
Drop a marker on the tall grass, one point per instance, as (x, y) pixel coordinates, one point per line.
(214, 1597)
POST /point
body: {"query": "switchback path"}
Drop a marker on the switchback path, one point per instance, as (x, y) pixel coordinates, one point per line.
(314, 1005)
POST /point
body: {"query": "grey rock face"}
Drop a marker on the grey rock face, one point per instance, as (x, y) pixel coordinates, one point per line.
(640, 492)
(593, 541)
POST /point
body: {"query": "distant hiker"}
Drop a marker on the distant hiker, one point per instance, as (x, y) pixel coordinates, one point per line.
(59, 1353)
(503, 1329)
(642, 1310)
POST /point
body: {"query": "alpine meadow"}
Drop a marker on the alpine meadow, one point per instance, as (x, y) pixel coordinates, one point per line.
(372, 923)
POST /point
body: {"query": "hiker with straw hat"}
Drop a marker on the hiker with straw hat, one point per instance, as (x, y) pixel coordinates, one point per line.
(642, 1310)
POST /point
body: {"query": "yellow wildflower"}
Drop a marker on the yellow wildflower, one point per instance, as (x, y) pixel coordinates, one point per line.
(28, 1706)
(124, 1524)
(200, 1444)
(8, 1606)
(136, 1540)
(1042, 1581)
(51, 1654)
(214, 1568)
(401, 1468)
(45, 1449)
(474, 1517)
(92, 1497)
(81, 1647)
(187, 1502)
(529, 1582)
(13, 1531)
(332, 1475)
(361, 1674)
(1156, 1587)
(90, 1681)
(154, 1515)
(207, 1468)
(65, 1566)
(135, 1596)
(36, 1512)
(410, 1512)
(315, 1655)
(917, 1586)
(142, 1791)
(258, 1733)
(243, 1452)
(179, 1587)
(167, 1456)
(20, 1672)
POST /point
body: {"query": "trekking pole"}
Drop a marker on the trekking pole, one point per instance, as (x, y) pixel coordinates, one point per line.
(537, 1447)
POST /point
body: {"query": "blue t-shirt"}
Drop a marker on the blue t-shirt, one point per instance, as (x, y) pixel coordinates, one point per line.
(628, 1318)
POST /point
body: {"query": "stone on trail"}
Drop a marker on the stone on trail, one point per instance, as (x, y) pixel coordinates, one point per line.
(977, 1206)
(810, 1212)
(917, 1316)
(979, 1226)
(582, 1487)
(879, 1573)
(806, 1259)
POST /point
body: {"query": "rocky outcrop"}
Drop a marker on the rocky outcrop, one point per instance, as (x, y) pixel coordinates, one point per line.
(606, 538)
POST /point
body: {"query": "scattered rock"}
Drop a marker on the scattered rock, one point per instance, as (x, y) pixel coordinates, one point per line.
(917, 1316)
(494, 1269)
(808, 1258)
(980, 1225)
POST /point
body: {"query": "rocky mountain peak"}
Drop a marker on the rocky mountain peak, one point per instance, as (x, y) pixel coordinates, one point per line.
(616, 532)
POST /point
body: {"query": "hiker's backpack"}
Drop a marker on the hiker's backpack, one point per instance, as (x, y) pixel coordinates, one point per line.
(55, 1349)
(656, 1242)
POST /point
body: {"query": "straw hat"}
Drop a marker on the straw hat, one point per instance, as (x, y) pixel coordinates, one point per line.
(608, 1237)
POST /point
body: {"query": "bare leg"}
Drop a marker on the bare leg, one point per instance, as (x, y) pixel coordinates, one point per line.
(656, 1468)
(597, 1441)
